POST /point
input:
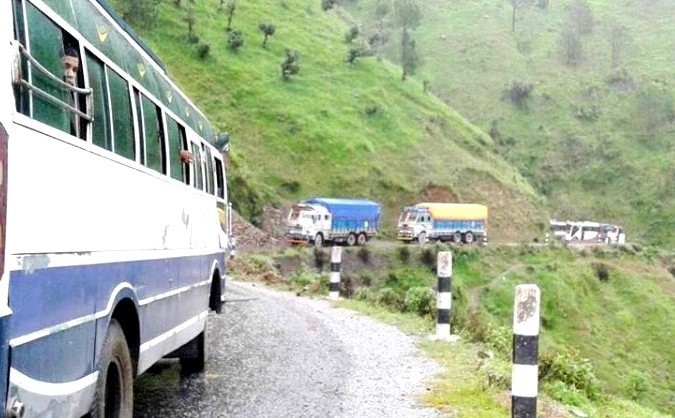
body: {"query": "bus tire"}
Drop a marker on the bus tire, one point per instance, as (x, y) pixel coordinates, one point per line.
(193, 359)
(114, 396)
(422, 238)
(318, 240)
(457, 237)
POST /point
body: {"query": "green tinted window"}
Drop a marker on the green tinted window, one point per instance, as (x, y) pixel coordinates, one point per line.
(197, 166)
(175, 134)
(123, 128)
(46, 46)
(102, 134)
(208, 170)
(152, 135)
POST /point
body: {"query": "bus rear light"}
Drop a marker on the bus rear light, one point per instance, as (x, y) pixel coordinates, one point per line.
(3, 196)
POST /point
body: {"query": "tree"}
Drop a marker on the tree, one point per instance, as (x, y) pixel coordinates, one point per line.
(619, 41)
(291, 64)
(409, 58)
(235, 40)
(231, 6)
(140, 12)
(518, 4)
(267, 29)
(352, 34)
(327, 5)
(408, 17)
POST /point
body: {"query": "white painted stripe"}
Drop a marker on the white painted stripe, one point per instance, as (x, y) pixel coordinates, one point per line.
(17, 261)
(51, 389)
(335, 254)
(334, 277)
(444, 300)
(444, 264)
(174, 292)
(15, 342)
(170, 333)
(524, 380)
(442, 330)
(526, 310)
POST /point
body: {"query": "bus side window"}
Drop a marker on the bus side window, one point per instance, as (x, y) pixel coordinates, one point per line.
(208, 170)
(98, 81)
(176, 135)
(153, 138)
(122, 127)
(220, 182)
(198, 166)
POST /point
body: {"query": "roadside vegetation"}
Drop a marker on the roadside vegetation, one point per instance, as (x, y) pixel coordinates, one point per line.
(606, 315)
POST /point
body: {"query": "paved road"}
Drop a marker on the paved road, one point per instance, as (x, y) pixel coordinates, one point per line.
(277, 355)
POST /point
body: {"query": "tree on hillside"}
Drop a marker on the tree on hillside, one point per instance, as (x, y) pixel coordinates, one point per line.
(408, 17)
(517, 5)
(619, 41)
(409, 57)
(229, 9)
(140, 12)
(291, 64)
(268, 30)
(235, 40)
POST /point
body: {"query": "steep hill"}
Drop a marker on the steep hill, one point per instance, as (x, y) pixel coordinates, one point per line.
(334, 129)
(578, 95)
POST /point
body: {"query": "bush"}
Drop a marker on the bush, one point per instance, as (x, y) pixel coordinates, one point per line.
(235, 40)
(428, 257)
(519, 94)
(404, 254)
(391, 298)
(364, 254)
(291, 64)
(321, 258)
(420, 300)
(203, 51)
(572, 370)
(366, 278)
(364, 294)
(637, 384)
(352, 34)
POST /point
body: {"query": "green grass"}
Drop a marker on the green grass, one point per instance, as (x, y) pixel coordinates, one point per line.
(334, 129)
(613, 168)
(620, 322)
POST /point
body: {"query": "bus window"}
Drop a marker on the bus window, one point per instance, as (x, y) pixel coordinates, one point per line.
(198, 167)
(208, 170)
(176, 135)
(220, 182)
(123, 128)
(153, 137)
(101, 133)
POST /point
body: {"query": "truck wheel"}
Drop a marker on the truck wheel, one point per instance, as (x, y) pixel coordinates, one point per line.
(362, 239)
(351, 239)
(422, 238)
(457, 237)
(114, 395)
(468, 237)
(318, 240)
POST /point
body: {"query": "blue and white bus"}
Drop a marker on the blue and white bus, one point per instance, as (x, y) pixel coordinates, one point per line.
(112, 248)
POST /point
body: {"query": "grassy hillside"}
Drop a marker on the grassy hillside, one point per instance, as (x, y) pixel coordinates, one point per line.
(594, 132)
(334, 129)
(606, 316)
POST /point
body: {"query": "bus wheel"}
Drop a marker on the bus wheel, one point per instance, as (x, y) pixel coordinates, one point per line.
(114, 395)
(468, 237)
(361, 239)
(194, 355)
(318, 240)
(457, 237)
(351, 239)
(422, 238)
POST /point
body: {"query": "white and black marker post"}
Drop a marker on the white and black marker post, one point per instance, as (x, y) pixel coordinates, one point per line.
(525, 377)
(335, 261)
(444, 297)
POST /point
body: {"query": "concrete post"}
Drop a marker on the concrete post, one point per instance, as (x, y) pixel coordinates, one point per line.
(525, 376)
(335, 261)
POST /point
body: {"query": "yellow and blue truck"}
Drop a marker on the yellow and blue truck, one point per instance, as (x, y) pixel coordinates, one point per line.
(441, 222)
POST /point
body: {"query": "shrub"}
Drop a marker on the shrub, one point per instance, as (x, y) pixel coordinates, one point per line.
(519, 94)
(364, 254)
(420, 300)
(320, 258)
(391, 298)
(601, 271)
(235, 40)
(404, 254)
(352, 34)
(637, 384)
(203, 51)
(366, 278)
(291, 64)
(572, 370)
(428, 257)
(364, 294)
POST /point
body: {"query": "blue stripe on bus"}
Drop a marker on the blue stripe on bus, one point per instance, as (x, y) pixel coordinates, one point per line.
(50, 297)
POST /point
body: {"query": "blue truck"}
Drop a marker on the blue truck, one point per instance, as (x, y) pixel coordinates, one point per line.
(323, 220)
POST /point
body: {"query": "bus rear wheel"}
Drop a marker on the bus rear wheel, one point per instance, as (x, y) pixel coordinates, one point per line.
(114, 397)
